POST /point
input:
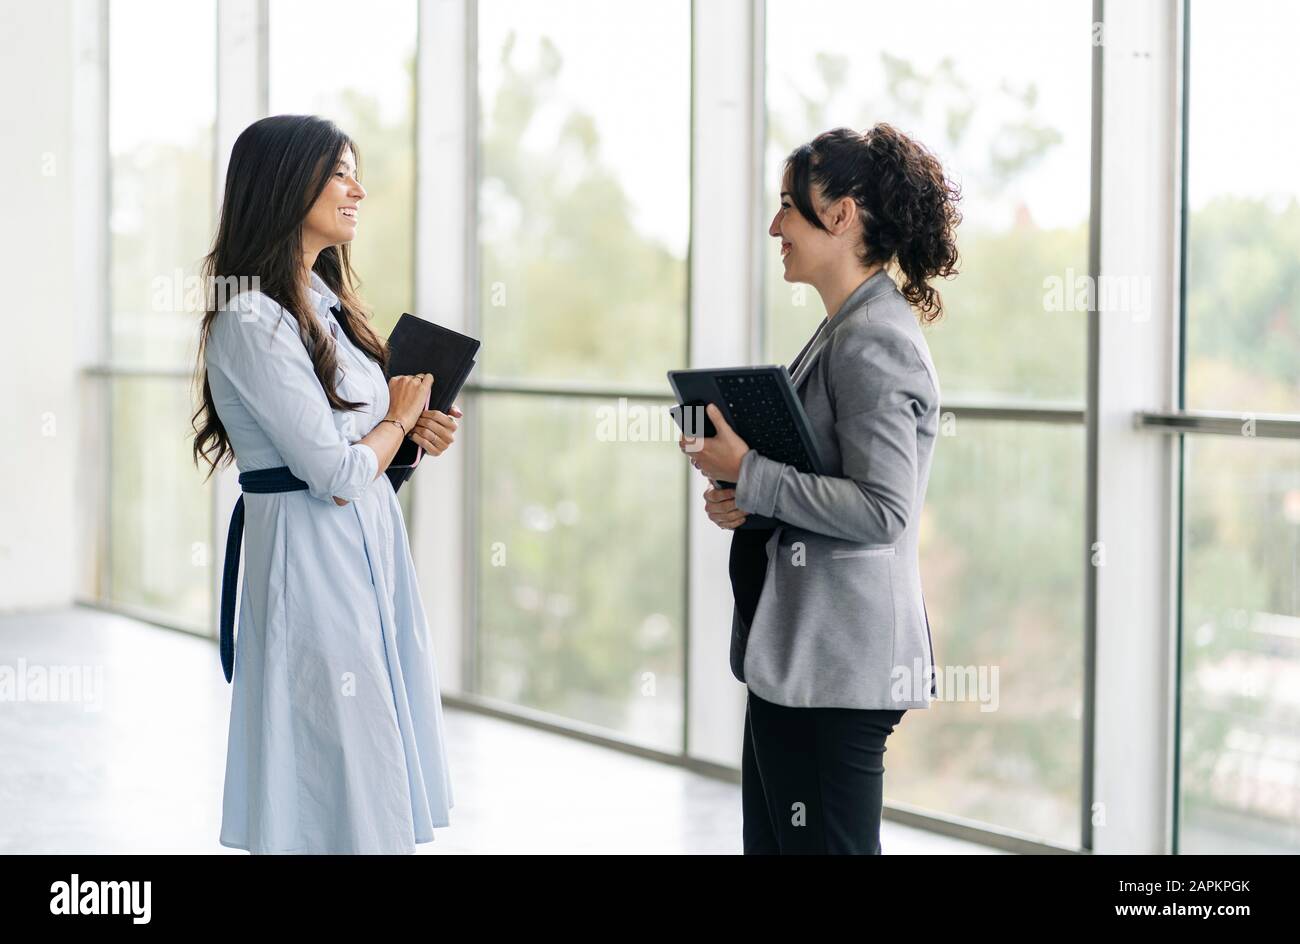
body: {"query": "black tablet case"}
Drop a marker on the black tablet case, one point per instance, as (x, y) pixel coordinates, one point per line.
(811, 462)
(416, 346)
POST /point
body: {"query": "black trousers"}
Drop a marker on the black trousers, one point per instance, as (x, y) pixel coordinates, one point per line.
(812, 779)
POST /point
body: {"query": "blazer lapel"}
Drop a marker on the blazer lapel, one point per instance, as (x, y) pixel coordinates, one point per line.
(798, 358)
(805, 368)
(864, 293)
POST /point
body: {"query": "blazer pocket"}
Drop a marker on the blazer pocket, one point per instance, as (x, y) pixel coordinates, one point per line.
(890, 551)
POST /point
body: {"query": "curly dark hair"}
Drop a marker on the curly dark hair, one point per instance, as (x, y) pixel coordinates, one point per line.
(909, 207)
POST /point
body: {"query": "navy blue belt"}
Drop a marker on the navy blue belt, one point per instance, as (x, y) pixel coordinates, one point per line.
(261, 481)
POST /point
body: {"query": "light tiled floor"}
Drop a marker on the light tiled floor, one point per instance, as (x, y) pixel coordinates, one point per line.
(139, 768)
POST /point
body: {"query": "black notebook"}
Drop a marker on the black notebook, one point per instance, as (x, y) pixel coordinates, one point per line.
(417, 346)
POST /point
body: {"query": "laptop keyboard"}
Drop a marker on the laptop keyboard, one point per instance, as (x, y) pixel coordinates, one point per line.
(762, 420)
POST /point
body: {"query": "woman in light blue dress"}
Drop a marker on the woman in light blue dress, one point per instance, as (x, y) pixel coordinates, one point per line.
(336, 738)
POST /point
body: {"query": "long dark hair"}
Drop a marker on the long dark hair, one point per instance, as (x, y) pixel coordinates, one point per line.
(909, 206)
(279, 166)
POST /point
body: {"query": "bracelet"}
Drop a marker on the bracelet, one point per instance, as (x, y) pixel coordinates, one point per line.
(389, 419)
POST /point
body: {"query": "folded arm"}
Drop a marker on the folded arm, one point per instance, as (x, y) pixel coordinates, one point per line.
(256, 346)
(880, 388)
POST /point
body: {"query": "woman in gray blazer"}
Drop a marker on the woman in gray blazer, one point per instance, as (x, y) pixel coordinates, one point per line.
(829, 631)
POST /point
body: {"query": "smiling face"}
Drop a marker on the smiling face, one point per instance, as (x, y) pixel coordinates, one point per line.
(806, 250)
(332, 219)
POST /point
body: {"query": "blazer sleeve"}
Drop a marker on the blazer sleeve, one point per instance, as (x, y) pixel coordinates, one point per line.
(880, 389)
(255, 344)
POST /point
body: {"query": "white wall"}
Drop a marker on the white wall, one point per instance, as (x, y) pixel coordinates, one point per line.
(39, 375)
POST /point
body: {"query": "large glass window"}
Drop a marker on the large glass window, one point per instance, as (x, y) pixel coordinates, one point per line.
(1239, 746)
(581, 583)
(1001, 535)
(160, 225)
(1240, 718)
(1004, 102)
(583, 221)
(1243, 223)
(585, 190)
(160, 515)
(160, 143)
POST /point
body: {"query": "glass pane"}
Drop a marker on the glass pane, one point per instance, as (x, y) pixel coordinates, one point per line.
(160, 163)
(585, 189)
(1243, 224)
(1003, 564)
(1003, 101)
(1240, 680)
(160, 509)
(582, 562)
(355, 65)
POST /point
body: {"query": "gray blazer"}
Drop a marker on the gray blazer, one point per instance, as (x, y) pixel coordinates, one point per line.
(840, 621)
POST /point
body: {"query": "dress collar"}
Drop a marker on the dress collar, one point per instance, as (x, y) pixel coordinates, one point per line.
(321, 295)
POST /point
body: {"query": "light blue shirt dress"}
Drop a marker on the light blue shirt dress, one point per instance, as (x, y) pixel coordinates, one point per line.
(336, 730)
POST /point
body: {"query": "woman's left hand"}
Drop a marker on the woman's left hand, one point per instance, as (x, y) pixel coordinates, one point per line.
(434, 431)
(720, 505)
(717, 457)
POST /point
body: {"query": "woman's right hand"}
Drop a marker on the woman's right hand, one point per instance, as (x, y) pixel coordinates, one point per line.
(408, 395)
